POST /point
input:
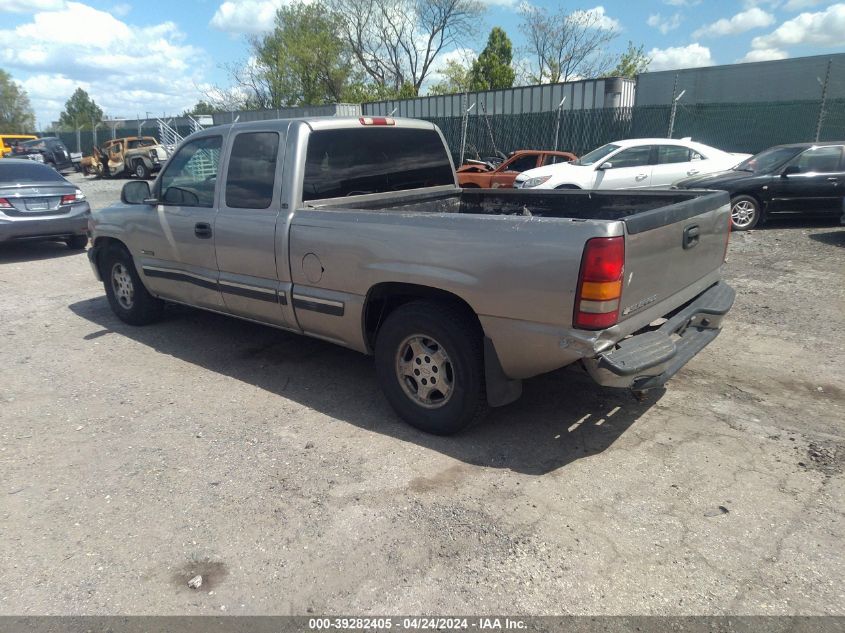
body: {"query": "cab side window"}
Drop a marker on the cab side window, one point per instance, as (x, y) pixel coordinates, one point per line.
(191, 174)
(631, 157)
(819, 159)
(252, 170)
(522, 164)
(668, 154)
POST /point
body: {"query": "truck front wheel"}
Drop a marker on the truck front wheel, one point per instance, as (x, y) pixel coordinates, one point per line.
(127, 296)
(430, 364)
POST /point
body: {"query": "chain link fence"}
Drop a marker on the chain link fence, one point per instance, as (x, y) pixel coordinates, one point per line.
(84, 142)
(733, 127)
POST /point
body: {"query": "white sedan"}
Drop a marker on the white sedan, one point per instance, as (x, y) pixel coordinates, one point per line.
(632, 164)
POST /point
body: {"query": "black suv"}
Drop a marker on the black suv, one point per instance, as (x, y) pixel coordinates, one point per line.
(51, 149)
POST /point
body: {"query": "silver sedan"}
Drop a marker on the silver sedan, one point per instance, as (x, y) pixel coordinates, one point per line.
(36, 202)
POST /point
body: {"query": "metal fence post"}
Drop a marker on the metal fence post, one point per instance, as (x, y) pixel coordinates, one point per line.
(820, 120)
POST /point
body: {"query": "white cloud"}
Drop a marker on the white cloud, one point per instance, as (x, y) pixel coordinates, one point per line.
(822, 29)
(664, 25)
(800, 5)
(246, 16)
(602, 20)
(692, 56)
(30, 6)
(750, 4)
(763, 55)
(744, 21)
(122, 9)
(682, 3)
(500, 3)
(127, 69)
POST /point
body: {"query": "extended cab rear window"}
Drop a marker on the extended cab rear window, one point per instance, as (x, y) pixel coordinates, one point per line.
(353, 162)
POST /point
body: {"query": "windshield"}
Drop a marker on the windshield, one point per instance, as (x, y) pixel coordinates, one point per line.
(768, 160)
(596, 155)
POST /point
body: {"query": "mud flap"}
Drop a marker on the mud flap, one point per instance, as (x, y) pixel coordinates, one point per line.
(501, 390)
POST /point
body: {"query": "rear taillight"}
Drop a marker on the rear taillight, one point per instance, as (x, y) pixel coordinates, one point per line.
(728, 239)
(5, 204)
(73, 197)
(376, 120)
(600, 283)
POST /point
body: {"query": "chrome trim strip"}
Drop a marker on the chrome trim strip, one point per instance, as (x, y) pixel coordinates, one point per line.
(325, 302)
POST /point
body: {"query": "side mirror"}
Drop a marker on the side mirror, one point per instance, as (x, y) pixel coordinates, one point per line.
(135, 192)
(604, 166)
(791, 170)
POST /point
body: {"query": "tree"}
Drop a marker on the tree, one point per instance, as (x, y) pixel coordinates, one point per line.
(493, 69)
(566, 46)
(16, 115)
(303, 61)
(80, 111)
(202, 107)
(397, 41)
(456, 78)
(631, 63)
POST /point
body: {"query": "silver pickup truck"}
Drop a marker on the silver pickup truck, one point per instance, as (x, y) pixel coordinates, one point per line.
(354, 231)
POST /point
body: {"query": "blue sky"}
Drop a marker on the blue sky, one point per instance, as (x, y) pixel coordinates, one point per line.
(159, 56)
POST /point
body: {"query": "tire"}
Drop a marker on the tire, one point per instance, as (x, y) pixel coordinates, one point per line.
(745, 213)
(434, 342)
(126, 293)
(77, 242)
(567, 187)
(141, 170)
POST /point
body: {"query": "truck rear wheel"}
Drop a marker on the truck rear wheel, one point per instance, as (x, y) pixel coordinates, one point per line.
(126, 293)
(430, 365)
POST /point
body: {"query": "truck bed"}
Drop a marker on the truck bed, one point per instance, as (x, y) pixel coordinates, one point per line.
(640, 210)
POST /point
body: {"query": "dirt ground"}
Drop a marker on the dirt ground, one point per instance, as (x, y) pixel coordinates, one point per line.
(132, 459)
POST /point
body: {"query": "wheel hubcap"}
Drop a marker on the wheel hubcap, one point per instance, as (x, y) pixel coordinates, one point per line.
(742, 213)
(139, 170)
(121, 283)
(425, 371)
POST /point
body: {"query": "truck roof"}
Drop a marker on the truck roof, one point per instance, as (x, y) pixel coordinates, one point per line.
(331, 123)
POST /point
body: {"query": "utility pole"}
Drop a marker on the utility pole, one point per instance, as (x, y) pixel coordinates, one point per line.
(674, 106)
(824, 99)
(464, 130)
(557, 124)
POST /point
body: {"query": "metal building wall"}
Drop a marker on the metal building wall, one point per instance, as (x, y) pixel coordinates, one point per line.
(580, 95)
(335, 109)
(781, 80)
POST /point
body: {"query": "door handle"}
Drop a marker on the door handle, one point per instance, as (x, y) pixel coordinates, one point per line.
(691, 235)
(202, 230)
(640, 177)
(692, 172)
(833, 178)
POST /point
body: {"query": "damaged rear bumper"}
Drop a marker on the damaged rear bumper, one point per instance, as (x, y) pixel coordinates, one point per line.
(649, 359)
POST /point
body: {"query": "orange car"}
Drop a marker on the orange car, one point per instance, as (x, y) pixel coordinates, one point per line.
(480, 175)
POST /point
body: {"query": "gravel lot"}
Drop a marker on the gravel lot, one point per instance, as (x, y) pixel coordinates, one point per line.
(132, 459)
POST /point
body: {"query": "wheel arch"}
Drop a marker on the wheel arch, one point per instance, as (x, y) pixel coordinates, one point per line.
(383, 298)
(567, 186)
(102, 244)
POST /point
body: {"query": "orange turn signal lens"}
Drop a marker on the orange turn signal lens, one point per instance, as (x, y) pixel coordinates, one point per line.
(601, 290)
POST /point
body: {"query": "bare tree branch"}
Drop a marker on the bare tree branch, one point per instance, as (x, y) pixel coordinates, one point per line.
(397, 41)
(566, 46)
